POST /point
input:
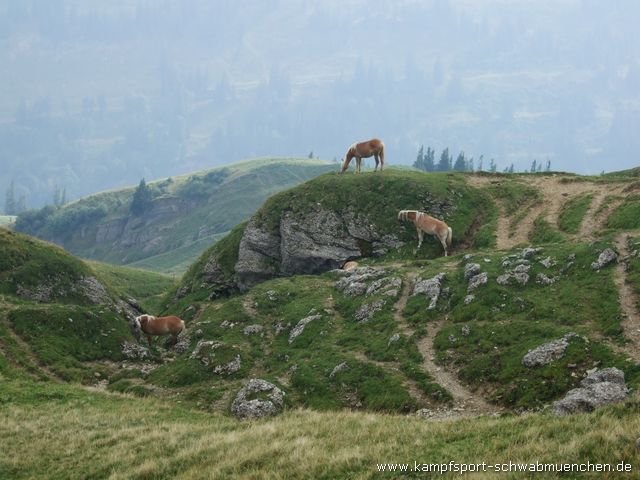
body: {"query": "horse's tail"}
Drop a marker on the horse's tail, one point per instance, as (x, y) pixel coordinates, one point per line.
(449, 236)
(182, 326)
(381, 154)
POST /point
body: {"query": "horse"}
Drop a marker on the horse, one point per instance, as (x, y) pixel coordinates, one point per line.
(151, 325)
(427, 224)
(373, 147)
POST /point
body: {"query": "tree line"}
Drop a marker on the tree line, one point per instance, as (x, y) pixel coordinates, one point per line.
(427, 162)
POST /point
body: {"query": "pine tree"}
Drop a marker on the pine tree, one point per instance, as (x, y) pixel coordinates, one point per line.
(10, 200)
(480, 160)
(444, 165)
(430, 160)
(548, 169)
(492, 166)
(470, 165)
(141, 198)
(533, 166)
(511, 168)
(419, 163)
(56, 196)
(461, 164)
(21, 206)
(63, 197)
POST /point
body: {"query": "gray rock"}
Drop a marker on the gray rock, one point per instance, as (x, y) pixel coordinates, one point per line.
(522, 268)
(299, 328)
(547, 262)
(367, 310)
(385, 286)
(393, 339)
(203, 350)
(571, 257)
(504, 279)
(228, 368)
(521, 278)
(431, 288)
(253, 329)
(338, 368)
(530, 252)
(470, 270)
(605, 258)
(547, 352)
(476, 281)
(542, 279)
(466, 330)
(183, 343)
(467, 257)
(468, 299)
(601, 387)
(258, 399)
(281, 327)
(134, 351)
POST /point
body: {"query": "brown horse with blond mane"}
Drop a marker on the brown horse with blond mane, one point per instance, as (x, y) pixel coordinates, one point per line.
(427, 224)
(373, 147)
(151, 325)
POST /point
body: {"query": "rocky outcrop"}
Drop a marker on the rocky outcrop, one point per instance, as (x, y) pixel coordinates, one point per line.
(547, 352)
(208, 352)
(476, 281)
(600, 387)
(308, 243)
(338, 368)
(431, 288)
(300, 326)
(368, 310)
(605, 258)
(258, 399)
(57, 287)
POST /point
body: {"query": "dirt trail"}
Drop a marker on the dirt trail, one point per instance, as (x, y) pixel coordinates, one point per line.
(628, 301)
(554, 194)
(465, 402)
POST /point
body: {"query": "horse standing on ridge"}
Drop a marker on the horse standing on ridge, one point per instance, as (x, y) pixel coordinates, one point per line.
(373, 147)
(151, 325)
(427, 224)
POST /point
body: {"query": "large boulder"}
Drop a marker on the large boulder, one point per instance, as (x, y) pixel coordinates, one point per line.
(431, 288)
(600, 387)
(605, 258)
(258, 399)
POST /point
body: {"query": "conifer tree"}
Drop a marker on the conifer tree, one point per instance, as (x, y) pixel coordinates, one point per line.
(141, 198)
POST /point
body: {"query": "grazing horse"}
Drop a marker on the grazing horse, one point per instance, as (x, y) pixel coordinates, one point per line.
(427, 224)
(373, 147)
(151, 325)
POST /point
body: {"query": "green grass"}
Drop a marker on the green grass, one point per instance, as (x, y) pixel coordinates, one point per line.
(572, 213)
(123, 437)
(148, 288)
(64, 337)
(627, 215)
(506, 321)
(543, 232)
(29, 263)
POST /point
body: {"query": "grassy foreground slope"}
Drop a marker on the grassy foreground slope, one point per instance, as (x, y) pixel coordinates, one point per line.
(61, 318)
(109, 436)
(186, 214)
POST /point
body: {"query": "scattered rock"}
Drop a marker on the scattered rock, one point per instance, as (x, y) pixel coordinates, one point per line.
(547, 262)
(367, 310)
(542, 279)
(477, 280)
(605, 258)
(467, 257)
(249, 404)
(529, 252)
(299, 328)
(519, 277)
(601, 387)
(470, 270)
(522, 268)
(228, 368)
(466, 330)
(227, 324)
(200, 352)
(393, 339)
(468, 299)
(281, 327)
(253, 329)
(271, 295)
(338, 368)
(350, 265)
(134, 351)
(389, 286)
(547, 352)
(183, 343)
(452, 338)
(431, 288)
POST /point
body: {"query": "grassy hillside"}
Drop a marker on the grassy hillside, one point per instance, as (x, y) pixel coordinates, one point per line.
(109, 436)
(186, 214)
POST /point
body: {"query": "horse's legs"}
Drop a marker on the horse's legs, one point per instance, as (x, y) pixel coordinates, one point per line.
(444, 244)
(358, 163)
(377, 161)
(149, 339)
(420, 237)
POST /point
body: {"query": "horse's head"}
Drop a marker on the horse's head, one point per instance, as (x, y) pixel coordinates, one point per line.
(142, 320)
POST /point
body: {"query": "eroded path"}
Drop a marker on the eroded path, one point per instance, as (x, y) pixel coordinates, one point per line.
(628, 301)
(465, 402)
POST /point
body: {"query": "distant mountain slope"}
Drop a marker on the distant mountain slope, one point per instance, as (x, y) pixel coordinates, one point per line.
(186, 214)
